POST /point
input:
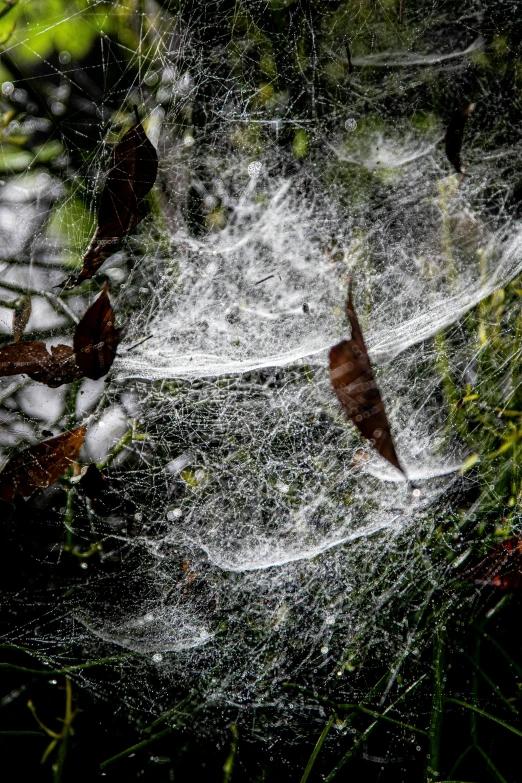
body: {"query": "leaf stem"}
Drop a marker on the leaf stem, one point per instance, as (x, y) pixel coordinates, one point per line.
(491, 684)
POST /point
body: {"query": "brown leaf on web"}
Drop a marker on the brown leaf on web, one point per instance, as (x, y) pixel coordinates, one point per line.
(33, 359)
(96, 338)
(130, 178)
(58, 368)
(454, 133)
(353, 381)
(501, 568)
(17, 358)
(41, 465)
(20, 318)
(94, 348)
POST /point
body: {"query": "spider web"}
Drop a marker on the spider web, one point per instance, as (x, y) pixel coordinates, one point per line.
(260, 539)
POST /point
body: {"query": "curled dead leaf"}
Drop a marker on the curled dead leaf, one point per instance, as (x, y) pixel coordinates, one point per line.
(353, 381)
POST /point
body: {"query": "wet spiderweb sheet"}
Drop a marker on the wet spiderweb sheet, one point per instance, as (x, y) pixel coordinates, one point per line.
(265, 537)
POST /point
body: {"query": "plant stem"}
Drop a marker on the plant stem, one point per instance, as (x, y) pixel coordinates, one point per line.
(491, 684)
(474, 690)
(184, 702)
(62, 746)
(228, 766)
(491, 766)
(381, 716)
(460, 760)
(364, 736)
(433, 768)
(22, 734)
(501, 650)
(118, 448)
(318, 746)
(65, 669)
(138, 746)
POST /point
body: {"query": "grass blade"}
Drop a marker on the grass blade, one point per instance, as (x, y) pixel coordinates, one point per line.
(484, 714)
(318, 746)
(138, 746)
(437, 707)
(491, 766)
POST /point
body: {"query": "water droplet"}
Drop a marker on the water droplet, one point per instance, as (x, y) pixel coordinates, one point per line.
(324, 650)
(157, 657)
(254, 168)
(174, 513)
(350, 124)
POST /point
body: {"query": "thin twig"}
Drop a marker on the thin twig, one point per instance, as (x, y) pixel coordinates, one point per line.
(56, 300)
(138, 343)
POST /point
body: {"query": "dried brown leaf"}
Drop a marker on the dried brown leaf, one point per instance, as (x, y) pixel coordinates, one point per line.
(354, 384)
(17, 358)
(130, 178)
(94, 348)
(41, 465)
(96, 338)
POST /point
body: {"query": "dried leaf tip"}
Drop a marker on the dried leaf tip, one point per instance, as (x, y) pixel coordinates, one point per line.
(454, 133)
(354, 384)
